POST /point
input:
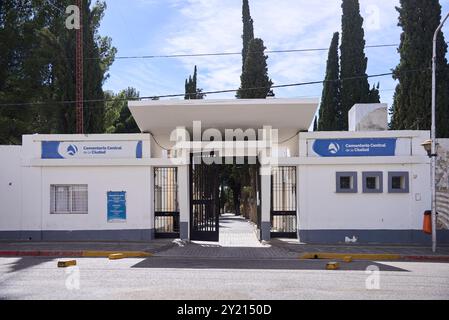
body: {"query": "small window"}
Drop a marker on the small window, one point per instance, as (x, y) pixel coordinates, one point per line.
(398, 182)
(347, 182)
(68, 199)
(373, 182)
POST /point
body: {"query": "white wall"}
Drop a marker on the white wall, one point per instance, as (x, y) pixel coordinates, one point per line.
(26, 203)
(134, 180)
(321, 208)
(10, 188)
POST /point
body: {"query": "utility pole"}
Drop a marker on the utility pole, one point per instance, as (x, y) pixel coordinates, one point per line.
(79, 72)
(434, 136)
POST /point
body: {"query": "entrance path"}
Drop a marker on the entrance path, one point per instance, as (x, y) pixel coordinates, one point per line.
(238, 239)
(236, 231)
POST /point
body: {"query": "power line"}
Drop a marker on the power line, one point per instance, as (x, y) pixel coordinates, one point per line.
(235, 53)
(207, 92)
(215, 54)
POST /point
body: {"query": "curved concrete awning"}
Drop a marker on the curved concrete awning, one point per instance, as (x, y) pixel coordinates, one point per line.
(160, 118)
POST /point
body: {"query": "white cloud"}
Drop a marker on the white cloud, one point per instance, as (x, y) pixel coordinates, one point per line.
(216, 26)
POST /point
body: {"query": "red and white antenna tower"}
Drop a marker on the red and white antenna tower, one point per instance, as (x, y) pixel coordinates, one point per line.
(79, 72)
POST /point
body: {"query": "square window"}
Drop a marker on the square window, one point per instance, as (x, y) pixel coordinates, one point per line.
(398, 182)
(372, 182)
(346, 182)
(67, 199)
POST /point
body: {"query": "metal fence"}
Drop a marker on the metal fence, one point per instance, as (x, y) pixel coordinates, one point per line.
(283, 202)
(166, 208)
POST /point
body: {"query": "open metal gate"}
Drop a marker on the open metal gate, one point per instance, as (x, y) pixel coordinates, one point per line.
(166, 208)
(283, 203)
(205, 210)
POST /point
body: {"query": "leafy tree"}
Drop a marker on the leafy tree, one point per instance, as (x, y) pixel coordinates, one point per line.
(255, 83)
(330, 115)
(125, 122)
(37, 63)
(354, 82)
(19, 74)
(413, 97)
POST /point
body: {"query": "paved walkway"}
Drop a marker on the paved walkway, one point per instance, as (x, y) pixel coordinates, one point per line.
(152, 246)
(237, 239)
(293, 245)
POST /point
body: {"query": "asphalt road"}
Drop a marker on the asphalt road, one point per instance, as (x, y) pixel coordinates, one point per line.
(180, 278)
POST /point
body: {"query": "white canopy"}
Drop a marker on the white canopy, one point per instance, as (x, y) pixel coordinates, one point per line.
(160, 118)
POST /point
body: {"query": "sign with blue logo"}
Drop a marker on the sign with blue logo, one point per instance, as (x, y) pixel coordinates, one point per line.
(116, 206)
(91, 149)
(380, 147)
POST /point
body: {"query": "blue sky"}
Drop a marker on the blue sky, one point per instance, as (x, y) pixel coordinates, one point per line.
(160, 27)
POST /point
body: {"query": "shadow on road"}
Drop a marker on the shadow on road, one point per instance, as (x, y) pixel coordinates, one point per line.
(25, 263)
(257, 264)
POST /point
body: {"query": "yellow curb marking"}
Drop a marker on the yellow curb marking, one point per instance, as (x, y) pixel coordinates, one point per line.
(65, 264)
(332, 266)
(125, 254)
(355, 256)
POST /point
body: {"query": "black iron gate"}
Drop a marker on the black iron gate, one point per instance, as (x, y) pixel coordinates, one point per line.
(283, 202)
(166, 208)
(204, 209)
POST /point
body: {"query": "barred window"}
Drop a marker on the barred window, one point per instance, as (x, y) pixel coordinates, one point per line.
(67, 199)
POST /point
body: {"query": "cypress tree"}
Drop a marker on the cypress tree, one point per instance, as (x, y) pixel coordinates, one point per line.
(413, 97)
(255, 73)
(353, 61)
(330, 109)
(248, 31)
(191, 90)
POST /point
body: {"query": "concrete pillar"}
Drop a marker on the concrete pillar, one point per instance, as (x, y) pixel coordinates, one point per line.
(184, 201)
(265, 227)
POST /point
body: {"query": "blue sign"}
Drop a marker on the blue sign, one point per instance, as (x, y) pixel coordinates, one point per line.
(117, 206)
(381, 147)
(91, 149)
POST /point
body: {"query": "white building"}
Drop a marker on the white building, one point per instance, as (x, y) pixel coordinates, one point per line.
(325, 187)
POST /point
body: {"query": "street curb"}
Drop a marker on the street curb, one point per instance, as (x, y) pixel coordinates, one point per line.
(106, 254)
(74, 254)
(355, 256)
(427, 258)
(373, 257)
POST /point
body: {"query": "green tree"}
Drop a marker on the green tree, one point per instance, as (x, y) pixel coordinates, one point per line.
(330, 115)
(37, 58)
(192, 92)
(255, 83)
(413, 97)
(19, 72)
(125, 122)
(248, 31)
(101, 49)
(354, 82)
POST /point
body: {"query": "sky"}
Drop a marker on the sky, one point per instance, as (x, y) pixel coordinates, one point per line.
(165, 27)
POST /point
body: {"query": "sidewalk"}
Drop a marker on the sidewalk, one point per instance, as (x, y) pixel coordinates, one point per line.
(390, 252)
(80, 249)
(232, 245)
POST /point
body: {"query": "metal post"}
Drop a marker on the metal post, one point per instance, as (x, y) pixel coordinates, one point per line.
(79, 73)
(433, 136)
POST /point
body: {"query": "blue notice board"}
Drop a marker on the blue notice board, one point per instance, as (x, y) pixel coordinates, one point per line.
(116, 206)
